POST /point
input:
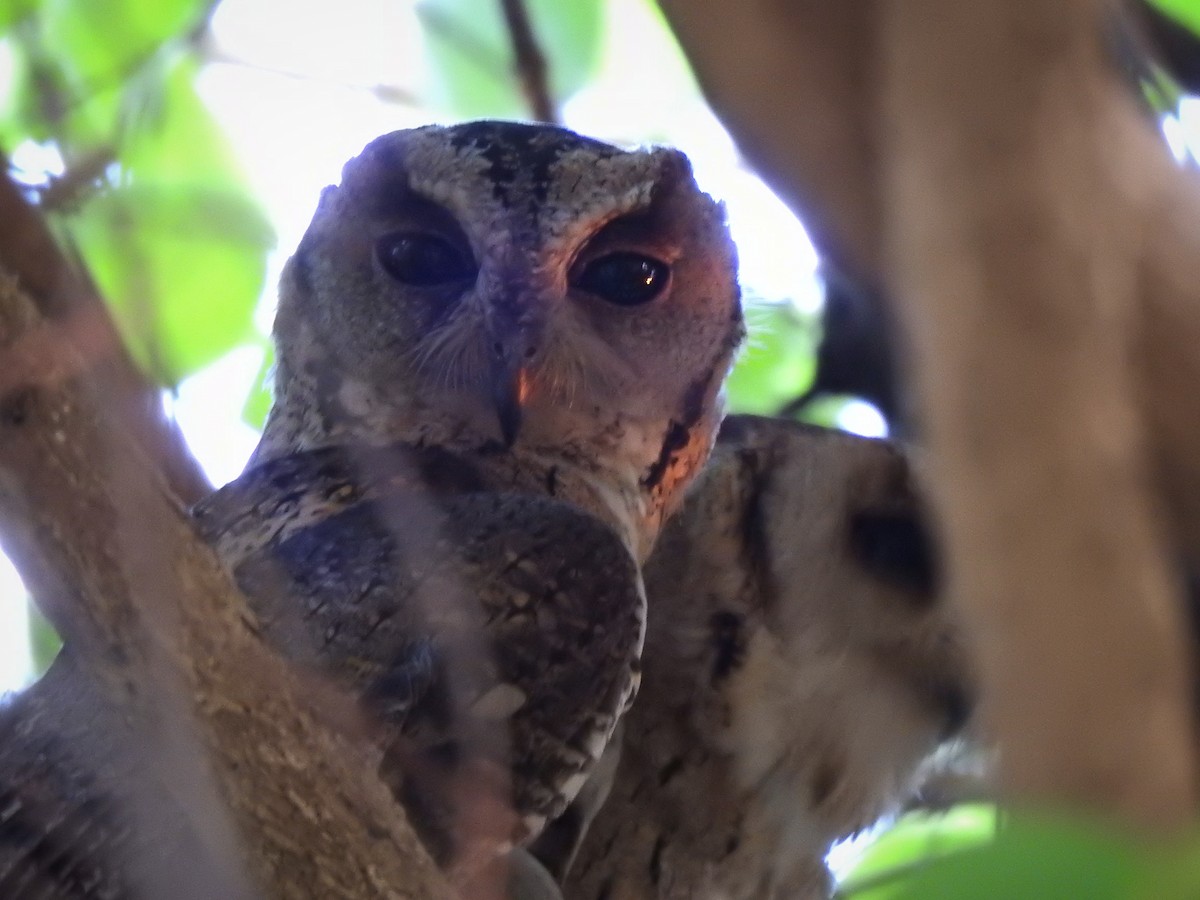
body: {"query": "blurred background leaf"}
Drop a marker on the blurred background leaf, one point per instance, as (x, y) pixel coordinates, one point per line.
(1186, 12)
(973, 852)
(100, 44)
(15, 10)
(777, 362)
(472, 70)
(258, 403)
(44, 642)
(174, 240)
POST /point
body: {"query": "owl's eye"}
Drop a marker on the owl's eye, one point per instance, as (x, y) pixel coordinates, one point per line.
(423, 259)
(626, 279)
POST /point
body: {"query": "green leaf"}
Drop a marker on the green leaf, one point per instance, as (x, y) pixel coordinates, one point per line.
(1162, 92)
(472, 59)
(172, 135)
(777, 363)
(12, 11)
(44, 642)
(178, 246)
(38, 91)
(84, 67)
(43, 104)
(824, 411)
(974, 853)
(917, 840)
(94, 121)
(1185, 12)
(103, 41)
(182, 267)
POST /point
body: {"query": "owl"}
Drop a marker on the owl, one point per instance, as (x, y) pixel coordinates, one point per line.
(500, 352)
(800, 668)
(500, 355)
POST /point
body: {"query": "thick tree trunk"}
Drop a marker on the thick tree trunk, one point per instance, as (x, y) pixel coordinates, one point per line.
(991, 175)
(1015, 218)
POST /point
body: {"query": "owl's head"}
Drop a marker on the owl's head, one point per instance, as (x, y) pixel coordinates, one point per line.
(510, 283)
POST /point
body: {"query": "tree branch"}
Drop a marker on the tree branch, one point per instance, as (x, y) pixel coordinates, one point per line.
(164, 639)
(529, 61)
(796, 84)
(983, 165)
(62, 295)
(1014, 245)
(1166, 343)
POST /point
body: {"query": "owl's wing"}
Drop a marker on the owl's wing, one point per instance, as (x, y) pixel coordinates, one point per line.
(480, 627)
(798, 667)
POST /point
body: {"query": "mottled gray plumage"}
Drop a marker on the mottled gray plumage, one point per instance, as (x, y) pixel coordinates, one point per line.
(477, 625)
(798, 670)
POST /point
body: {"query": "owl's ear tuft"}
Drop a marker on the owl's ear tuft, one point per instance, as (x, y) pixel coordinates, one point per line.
(326, 205)
(675, 171)
(384, 154)
(298, 270)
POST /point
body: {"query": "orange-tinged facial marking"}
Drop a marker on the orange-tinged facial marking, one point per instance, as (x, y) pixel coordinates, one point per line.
(524, 386)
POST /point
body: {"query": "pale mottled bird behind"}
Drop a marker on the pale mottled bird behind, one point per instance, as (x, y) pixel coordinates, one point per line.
(801, 666)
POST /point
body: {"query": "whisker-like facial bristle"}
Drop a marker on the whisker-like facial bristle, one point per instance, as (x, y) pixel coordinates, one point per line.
(448, 356)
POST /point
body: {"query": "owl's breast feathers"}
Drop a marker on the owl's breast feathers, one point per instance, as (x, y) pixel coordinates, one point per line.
(478, 625)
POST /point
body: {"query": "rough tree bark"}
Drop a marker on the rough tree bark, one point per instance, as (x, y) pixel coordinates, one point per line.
(993, 177)
(65, 296)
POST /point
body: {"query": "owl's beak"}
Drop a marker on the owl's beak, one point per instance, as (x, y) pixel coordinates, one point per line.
(510, 390)
(514, 335)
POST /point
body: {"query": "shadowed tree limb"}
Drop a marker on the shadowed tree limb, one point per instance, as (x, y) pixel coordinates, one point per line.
(987, 170)
(28, 251)
(796, 83)
(529, 61)
(1014, 242)
(1166, 343)
(281, 794)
